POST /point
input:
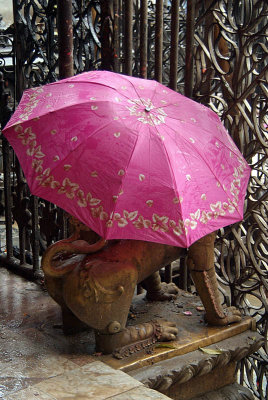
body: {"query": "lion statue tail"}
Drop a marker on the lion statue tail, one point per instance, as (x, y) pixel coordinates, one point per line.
(55, 260)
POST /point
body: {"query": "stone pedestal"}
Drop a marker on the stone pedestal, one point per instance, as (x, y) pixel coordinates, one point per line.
(229, 392)
(201, 363)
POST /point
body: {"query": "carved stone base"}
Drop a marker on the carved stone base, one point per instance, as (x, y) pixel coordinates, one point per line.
(197, 373)
(229, 392)
(204, 381)
(179, 369)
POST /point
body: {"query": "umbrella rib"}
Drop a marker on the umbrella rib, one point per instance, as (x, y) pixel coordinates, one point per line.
(89, 102)
(211, 170)
(134, 87)
(46, 113)
(179, 119)
(194, 124)
(124, 176)
(80, 144)
(155, 92)
(125, 77)
(107, 85)
(171, 171)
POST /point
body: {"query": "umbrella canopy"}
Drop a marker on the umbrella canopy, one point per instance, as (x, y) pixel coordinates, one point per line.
(129, 157)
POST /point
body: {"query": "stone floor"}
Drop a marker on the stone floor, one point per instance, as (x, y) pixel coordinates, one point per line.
(38, 362)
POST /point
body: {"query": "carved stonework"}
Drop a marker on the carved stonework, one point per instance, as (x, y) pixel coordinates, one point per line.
(189, 370)
(91, 288)
(234, 392)
(144, 344)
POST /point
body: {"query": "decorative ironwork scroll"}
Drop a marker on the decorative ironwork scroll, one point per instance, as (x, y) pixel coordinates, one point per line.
(34, 56)
(159, 57)
(86, 30)
(29, 57)
(36, 40)
(231, 73)
(37, 33)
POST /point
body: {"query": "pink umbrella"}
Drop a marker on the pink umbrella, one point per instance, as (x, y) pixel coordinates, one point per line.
(130, 158)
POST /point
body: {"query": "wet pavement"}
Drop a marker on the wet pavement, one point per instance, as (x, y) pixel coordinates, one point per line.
(38, 362)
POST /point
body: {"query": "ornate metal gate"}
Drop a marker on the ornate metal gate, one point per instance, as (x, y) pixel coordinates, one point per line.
(214, 51)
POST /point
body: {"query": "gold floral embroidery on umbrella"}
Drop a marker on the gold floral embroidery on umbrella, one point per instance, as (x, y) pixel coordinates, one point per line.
(122, 221)
(26, 135)
(141, 223)
(31, 104)
(99, 212)
(68, 188)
